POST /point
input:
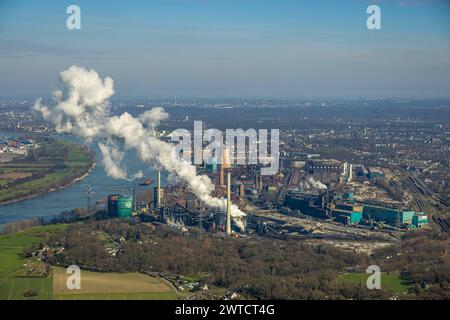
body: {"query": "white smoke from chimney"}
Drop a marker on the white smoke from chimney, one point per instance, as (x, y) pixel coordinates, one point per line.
(112, 158)
(312, 184)
(85, 112)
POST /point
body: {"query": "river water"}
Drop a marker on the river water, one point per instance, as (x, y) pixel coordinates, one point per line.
(75, 195)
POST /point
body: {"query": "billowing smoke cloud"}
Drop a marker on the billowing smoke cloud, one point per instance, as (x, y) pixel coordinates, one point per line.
(312, 184)
(112, 158)
(85, 112)
(154, 117)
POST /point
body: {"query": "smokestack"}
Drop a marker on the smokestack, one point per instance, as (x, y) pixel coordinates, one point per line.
(228, 203)
(159, 189)
(84, 111)
(226, 164)
(157, 193)
(221, 182)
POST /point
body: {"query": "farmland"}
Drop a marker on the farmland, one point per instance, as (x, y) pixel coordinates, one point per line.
(392, 282)
(15, 288)
(112, 286)
(11, 247)
(53, 165)
(16, 281)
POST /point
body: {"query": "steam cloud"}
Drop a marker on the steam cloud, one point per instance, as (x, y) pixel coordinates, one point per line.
(85, 112)
(311, 183)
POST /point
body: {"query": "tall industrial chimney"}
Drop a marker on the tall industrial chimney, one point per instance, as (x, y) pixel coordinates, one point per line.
(159, 189)
(221, 179)
(344, 173)
(228, 203)
(157, 193)
(134, 199)
(226, 164)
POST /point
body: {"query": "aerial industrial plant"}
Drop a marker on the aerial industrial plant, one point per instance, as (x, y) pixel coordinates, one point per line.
(293, 203)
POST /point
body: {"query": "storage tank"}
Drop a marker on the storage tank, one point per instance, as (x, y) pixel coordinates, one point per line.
(124, 207)
(212, 165)
(112, 205)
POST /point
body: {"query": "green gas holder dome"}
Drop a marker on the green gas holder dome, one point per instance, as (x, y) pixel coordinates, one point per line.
(120, 206)
(124, 207)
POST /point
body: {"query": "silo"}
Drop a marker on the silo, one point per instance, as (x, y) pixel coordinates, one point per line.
(124, 207)
(112, 205)
(212, 164)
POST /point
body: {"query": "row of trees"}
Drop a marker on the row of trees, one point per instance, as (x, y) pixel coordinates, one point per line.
(262, 269)
(423, 257)
(258, 268)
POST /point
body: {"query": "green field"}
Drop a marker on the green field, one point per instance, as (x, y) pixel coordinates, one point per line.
(392, 282)
(12, 285)
(58, 163)
(14, 281)
(14, 288)
(112, 286)
(11, 247)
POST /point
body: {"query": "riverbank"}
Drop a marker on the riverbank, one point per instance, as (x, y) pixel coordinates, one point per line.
(56, 166)
(74, 196)
(51, 190)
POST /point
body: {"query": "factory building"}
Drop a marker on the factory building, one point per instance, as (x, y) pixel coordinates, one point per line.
(419, 220)
(347, 217)
(348, 196)
(349, 207)
(358, 170)
(388, 215)
(349, 213)
(294, 164)
(323, 166)
(120, 206)
(374, 173)
(309, 204)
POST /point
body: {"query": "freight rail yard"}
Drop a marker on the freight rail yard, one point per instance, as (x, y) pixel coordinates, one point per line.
(315, 201)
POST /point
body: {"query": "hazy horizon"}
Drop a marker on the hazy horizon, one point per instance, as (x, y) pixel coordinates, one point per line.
(216, 49)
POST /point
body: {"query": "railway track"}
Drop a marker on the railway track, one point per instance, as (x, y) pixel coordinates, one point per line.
(419, 204)
(408, 185)
(443, 223)
(419, 186)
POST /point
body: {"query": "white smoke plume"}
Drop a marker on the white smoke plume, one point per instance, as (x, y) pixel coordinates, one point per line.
(85, 112)
(312, 184)
(154, 117)
(112, 158)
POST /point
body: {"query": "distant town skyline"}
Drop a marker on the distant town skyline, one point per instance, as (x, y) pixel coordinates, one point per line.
(198, 48)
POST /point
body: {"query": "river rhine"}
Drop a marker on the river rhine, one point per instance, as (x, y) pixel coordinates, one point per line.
(75, 195)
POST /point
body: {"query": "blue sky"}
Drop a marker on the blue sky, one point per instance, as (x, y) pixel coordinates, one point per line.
(229, 48)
